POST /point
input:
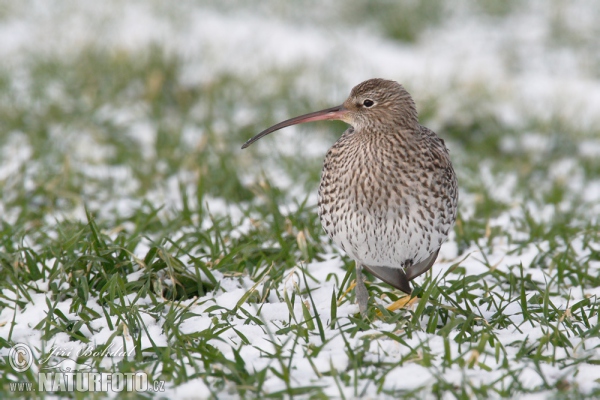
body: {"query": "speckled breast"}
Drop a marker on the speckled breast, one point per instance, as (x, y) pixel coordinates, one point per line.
(381, 206)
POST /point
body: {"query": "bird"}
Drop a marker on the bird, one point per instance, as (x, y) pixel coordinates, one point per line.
(388, 194)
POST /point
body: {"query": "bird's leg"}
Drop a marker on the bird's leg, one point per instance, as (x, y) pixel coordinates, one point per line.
(362, 295)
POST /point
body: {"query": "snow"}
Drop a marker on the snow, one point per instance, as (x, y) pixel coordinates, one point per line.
(192, 389)
(275, 315)
(524, 77)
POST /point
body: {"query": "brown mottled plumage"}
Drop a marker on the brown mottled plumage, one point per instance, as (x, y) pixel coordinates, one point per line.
(388, 192)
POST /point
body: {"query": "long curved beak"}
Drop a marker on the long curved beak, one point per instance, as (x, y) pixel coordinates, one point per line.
(330, 113)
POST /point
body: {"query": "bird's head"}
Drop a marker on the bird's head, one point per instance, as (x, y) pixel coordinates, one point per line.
(379, 102)
(371, 104)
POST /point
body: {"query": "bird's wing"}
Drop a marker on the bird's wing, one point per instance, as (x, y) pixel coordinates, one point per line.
(398, 277)
(421, 267)
(392, 276)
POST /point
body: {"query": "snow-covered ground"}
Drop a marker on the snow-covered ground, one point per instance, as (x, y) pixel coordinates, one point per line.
(514, 65)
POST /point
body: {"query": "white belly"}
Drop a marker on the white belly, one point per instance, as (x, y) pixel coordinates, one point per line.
(388, 240)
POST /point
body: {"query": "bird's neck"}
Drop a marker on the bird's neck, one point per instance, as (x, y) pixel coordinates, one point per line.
(394, 135)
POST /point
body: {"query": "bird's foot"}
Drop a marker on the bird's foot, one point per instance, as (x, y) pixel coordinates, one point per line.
(405, 301)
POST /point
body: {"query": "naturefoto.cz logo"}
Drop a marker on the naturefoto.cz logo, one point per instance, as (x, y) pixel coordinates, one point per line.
(70, 376)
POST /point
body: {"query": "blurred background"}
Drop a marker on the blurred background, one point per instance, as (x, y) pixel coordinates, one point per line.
(114, 103)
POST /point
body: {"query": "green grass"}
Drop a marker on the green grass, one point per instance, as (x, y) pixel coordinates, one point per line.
(135, 214)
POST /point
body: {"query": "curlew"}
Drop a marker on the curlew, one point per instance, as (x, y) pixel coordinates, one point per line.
(388, 193)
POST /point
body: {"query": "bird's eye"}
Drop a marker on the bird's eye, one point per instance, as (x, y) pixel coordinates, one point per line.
(368, 103)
